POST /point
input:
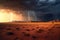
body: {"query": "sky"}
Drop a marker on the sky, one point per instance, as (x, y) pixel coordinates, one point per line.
(49, 9)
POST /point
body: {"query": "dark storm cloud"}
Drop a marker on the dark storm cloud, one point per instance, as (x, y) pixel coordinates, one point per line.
(41, 8)
(45, 10)
(12, 4)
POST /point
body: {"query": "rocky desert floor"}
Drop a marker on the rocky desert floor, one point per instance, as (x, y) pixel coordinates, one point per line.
(29, 31)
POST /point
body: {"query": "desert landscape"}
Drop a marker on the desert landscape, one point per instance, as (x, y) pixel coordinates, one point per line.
(30, 31)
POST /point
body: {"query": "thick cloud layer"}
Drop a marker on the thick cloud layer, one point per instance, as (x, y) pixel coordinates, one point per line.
(42, 8)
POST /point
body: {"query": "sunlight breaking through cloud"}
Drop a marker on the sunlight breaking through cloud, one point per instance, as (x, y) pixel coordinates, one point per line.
(7, 15)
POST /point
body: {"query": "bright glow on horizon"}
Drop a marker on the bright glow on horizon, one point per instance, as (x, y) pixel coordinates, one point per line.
(9, 16)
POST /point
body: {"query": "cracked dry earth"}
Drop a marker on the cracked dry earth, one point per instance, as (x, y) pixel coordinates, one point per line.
(29, 31)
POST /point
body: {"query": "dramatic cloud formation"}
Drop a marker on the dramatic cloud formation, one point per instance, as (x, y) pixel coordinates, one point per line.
(40, 8)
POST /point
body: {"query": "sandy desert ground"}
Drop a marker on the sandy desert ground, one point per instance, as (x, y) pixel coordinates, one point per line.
(30, 31)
